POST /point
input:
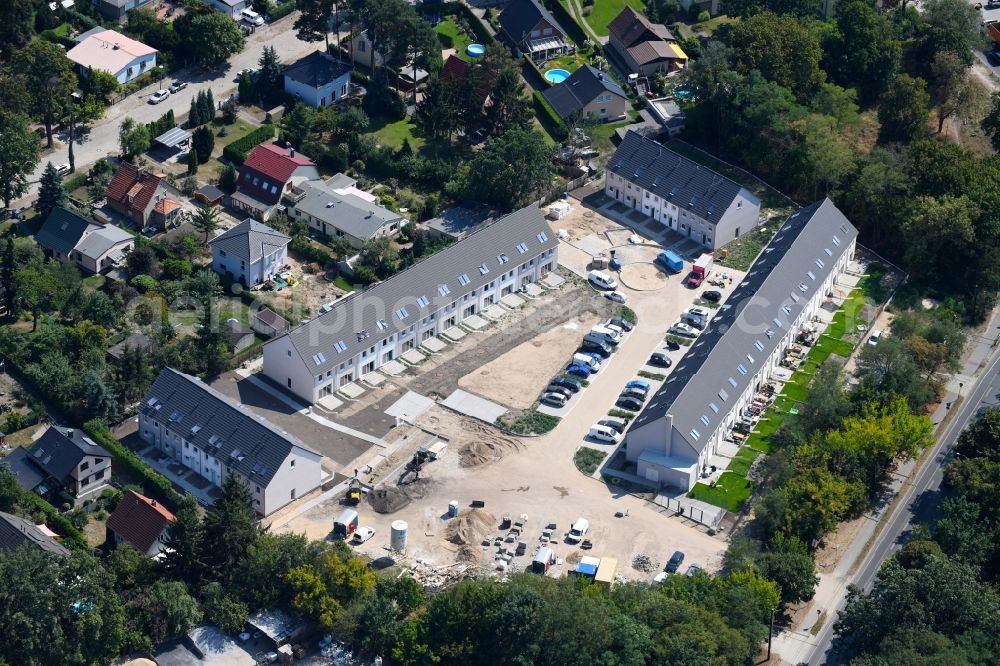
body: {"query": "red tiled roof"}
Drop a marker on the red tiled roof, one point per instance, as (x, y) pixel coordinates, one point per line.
(165, 206)
(454, 69)
(277, 163)
(139, 520)
(631, 27)
(135, 182)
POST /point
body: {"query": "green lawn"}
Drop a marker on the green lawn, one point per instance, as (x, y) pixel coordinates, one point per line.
(570, 63)
(393, 134)
(452, 38)
(94, 282)
(740, 464)
(709, 27)
(834, 346)
(601, 134)
(730, 492)
(604, 12)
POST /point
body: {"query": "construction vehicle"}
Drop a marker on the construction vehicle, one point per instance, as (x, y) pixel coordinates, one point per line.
(354, 491)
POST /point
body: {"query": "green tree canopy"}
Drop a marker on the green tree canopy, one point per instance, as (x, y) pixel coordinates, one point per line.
(19, 151)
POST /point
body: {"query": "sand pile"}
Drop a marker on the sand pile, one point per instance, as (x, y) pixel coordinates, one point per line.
(470, 527)
(487, 444)
(388, 500)
(469, 554)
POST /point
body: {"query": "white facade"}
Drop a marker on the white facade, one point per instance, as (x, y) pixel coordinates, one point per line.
(317, 97)
(232, 8)
(257, 272)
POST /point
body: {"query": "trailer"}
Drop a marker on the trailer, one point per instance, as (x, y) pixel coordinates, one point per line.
(606, 571)
(587, 567)
(700, 270)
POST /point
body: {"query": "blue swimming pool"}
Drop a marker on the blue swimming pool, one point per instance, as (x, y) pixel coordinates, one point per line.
(684, 93)
(475, 50)
(556, 75)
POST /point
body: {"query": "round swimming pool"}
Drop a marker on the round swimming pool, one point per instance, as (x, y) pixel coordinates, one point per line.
(556, 75)
(475, 50)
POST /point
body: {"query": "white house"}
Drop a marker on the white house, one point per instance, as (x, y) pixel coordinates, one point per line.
(361, 332)
(338, 209)
(231, 8)
(709, 389)
(251, 252)
(113, 52)
(73, 238)
(210, 434)
(318, 79)
(685, 196)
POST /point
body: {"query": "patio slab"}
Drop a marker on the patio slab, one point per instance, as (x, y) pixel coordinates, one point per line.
(532, 290)
(392, 368)
(493, 312)
(433, 345)
(466, 403)
(329, 402)
(413, 357)
(351, 391)
(373, 379)
(410, 406)
(454, 333)
(475, 322)
(593, 245)
(512, 301)
(553, 281)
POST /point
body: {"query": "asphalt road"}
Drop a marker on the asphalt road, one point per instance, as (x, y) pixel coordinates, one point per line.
(920, 496)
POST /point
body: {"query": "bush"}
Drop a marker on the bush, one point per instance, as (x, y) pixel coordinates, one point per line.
(382, 101)
(311, 252)
(282, 10)
(529, 423)
(628, 314)
(238, 150)
(588, 459)
(704, 16)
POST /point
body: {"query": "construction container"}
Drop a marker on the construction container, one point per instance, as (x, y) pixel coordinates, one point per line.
(606, 571)
(452, 508)
(345, 524)
(397, 535)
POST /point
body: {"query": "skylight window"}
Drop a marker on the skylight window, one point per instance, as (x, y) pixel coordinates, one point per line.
(811, 275)
(694, 434)
(828, 252)
(750, 358)
(382, 324)
(759, 345)
(820, 264)
(503, 258)
(769, 333)
(444, 290)
(522, 248)
(836, 241)
(340, 346)
(723, 394)
(704, 419)
(542, 237)
(794, 297)
(318, 359)
(464, 279)
(714, 407)
(742, 369)
(402, 313)
(787, 310)
(483, 270)
(777, 322)
(802, 287)
(732, 382)
(423, 301)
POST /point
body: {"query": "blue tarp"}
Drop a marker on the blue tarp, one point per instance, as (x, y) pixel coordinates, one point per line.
(586, 569)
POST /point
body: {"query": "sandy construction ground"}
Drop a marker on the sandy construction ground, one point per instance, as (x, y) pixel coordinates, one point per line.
(517, 378)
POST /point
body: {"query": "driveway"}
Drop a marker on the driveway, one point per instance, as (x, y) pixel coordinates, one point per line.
(102, 139)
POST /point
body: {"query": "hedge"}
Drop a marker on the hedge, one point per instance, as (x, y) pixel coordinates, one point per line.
(483, 35)
(311, 252)
(282, 10)
(573, 29)
(238, 150)
(545, 83)
(548, 117)
(153, 483)
(58, 522)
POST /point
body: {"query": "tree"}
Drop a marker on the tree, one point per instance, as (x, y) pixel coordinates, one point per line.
(194, 113)
(17, 27)
(37, 290)
(297, 123)
(141, 261)
(230, 528)
(270, 76)
(227, 613)
(991, 123)
(212, 38)
(510, 169)
(203, 142)
(179, 609)
(509, 107)
(7, 275)
(133, 138)
(192, 161)
(438, 114)
(19, 151)
(99, 185)
(206, 106)
(184, 552)
(99, 399)
(51, 194)
(952, 90)
(865, 53)
(902, 110)
(135, 374)
(810, 505)
(49, 76)
(206, 220)
(313, 23)
(227, 178)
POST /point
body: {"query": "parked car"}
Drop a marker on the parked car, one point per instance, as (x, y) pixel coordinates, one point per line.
(712, 296)
(556, 388)
(616, 296)
(252, 71)
(640, 384)
(604, 434)
(683, 330)
(623, 324)
(362, 534)
(578, 531)
(569, 384)
(614, 424)
(675, 562)
(178, 86)
(692, 570)
(874, 337)
(660, 360)
(251, 17)
(159, 96)
(578, 371)
(634, 392)
(693, 320)
(700, 312)
(63, 169)
(554, 399)
(601, 349)
(672, 345)
(602, 280)
(629, 403)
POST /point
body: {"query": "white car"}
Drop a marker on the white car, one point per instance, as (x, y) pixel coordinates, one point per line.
(159, 96)
(699, 312)
(63, 169)
(362, 534)
(251, 17)
(874, 337)
(683, 330)
(616, 296)
(252, 71)
(178, 86)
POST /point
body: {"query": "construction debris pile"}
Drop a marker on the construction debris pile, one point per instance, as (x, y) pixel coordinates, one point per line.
(645, 564)
(388, 500)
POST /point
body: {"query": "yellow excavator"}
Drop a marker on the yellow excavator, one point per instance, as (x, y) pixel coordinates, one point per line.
(354, 491)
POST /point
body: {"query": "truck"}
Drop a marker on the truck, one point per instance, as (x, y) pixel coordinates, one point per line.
(669, 260)
(606, 571)
(543, 561)
(700, 270)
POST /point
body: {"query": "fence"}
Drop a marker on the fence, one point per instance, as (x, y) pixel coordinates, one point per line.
(688, 511)
(568, 186)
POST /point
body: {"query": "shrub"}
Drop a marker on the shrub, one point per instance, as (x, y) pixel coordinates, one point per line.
(588, 459)
(628, 314)
(529, 423)
(547, 115)
(238, 150)
(704, 16)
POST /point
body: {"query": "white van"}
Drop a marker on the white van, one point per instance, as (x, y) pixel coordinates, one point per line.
(587, 360)
(579, 529)
(874, 337)
(602, 280)
(251, 17)
(612, 336)
(604, 434)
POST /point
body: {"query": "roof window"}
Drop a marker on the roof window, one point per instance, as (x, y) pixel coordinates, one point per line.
(319, 359)
(542, 237)
(464, 279)
(340, 346)
(423, 301)
(402, 313)
(444, 290)
(522, 248)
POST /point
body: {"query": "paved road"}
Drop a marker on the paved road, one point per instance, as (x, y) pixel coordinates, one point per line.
(102, 139)
(919, 498)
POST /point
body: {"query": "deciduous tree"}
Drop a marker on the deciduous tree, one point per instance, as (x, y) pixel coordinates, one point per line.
(19, 151)
(49, 76)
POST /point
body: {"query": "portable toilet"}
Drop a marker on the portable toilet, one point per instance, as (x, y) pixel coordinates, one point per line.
(544, 559)
(345, 524)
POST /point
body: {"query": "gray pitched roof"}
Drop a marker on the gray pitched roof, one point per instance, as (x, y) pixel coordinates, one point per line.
(673, 177)
(213, 422)
(29, 475)
(63, 230)
(349, 213)
(250, 240)
(16, 531)
(100, 241)
(580, 89)
(354, 320)
(520, 16)
(59, 450)
(812, 240)
(316, 69)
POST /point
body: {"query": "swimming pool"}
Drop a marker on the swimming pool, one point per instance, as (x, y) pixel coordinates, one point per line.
(475, 50)
(556, 75)
(684, 93)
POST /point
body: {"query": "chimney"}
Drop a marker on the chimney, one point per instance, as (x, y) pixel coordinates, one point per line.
(291, 151)
(69, 433)
(152, 502)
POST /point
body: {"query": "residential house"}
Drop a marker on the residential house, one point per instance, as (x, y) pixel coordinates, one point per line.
(362, 331)
(267, 173)
(532, 30)
(72, 238)
(110, 51)
(708, 390)
(141, 522)
(134, 193)
(338, 209)
(268, 322)
(588, 93)
(16, 532)
(237, 335)
(166, 214)
(318, 79)
(646, 48)
(231, 8)
(363, 54)
(683, 195)
(250, 253)
(115, 10)
(61, 460)
(136, 340)
(214, 436)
